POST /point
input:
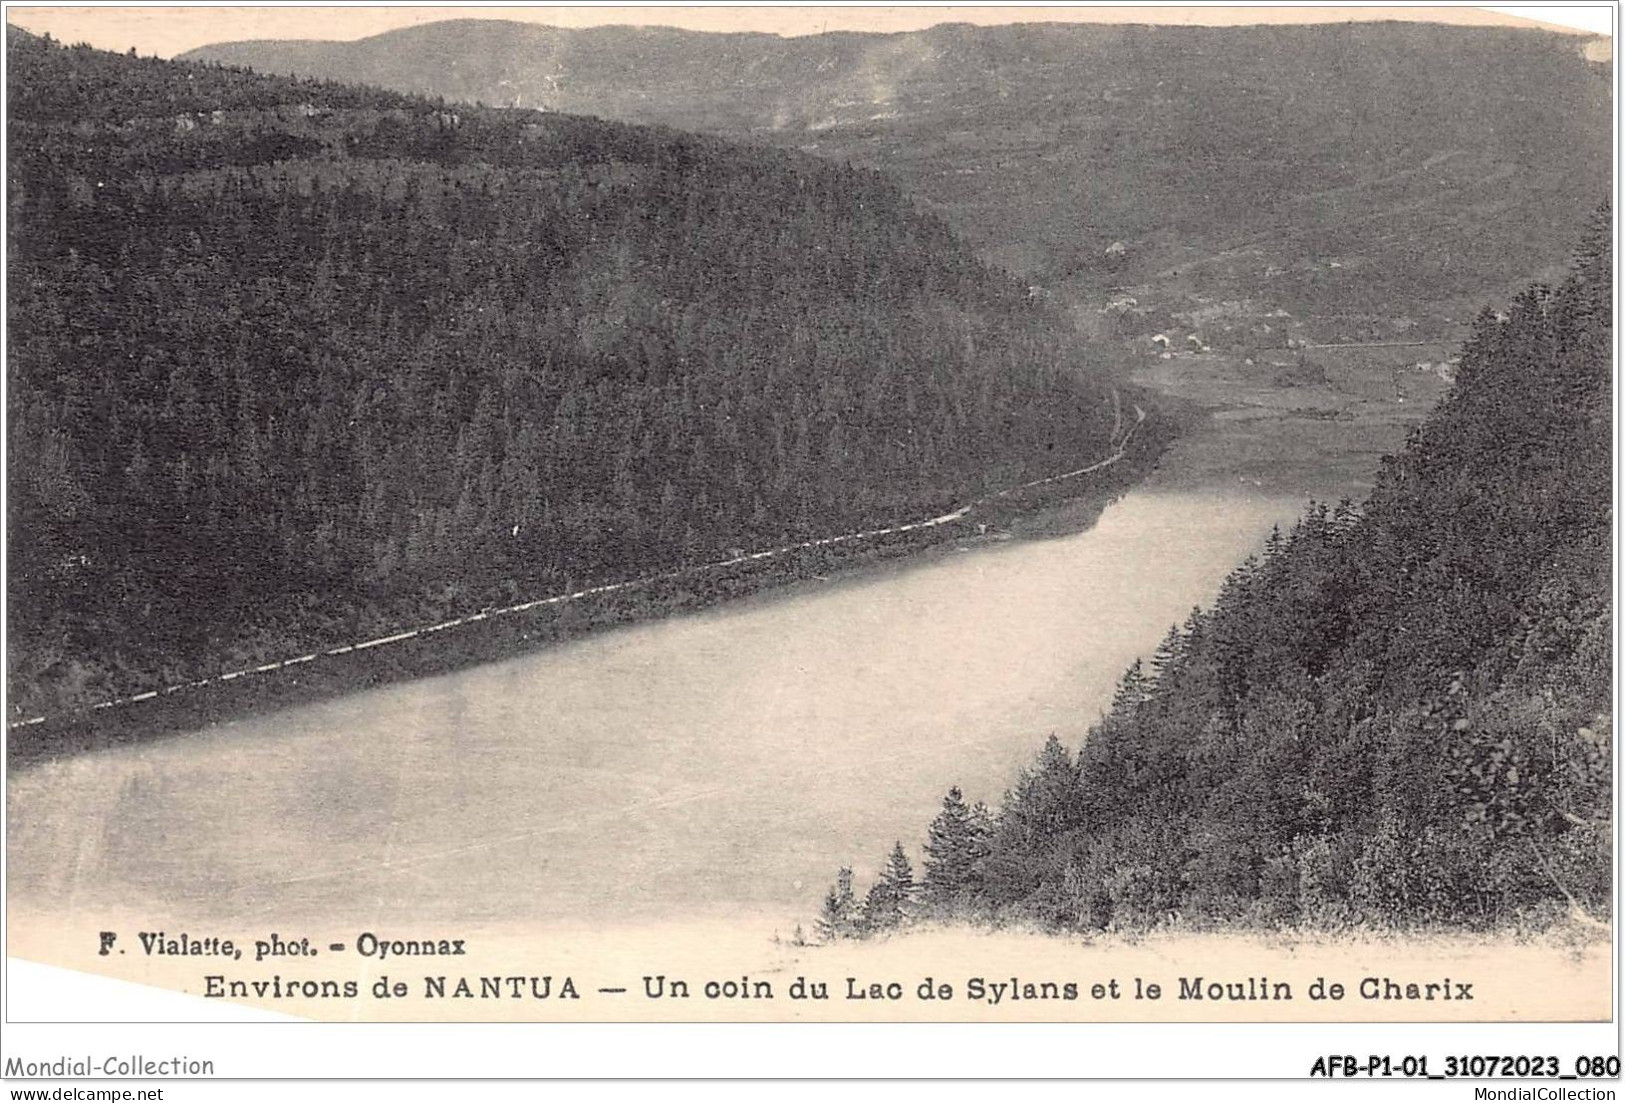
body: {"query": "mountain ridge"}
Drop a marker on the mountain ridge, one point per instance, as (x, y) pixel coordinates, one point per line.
(1236, 159)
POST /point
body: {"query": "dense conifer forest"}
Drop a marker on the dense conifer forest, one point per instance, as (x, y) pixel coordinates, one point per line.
(1397, 715)
(293, 361)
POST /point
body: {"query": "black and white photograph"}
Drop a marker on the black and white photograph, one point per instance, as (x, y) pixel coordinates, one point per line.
(807, 514)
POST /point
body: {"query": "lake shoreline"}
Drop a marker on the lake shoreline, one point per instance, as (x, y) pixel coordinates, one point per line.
(645, 774)
(1047, 512)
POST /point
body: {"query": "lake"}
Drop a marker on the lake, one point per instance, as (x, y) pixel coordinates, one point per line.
(696, 767)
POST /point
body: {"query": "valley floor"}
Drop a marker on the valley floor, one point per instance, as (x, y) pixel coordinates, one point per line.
(1269, 431)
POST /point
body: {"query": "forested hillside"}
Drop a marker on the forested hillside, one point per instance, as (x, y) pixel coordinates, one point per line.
(1369, 178)
(1399, 714)
(293, 361)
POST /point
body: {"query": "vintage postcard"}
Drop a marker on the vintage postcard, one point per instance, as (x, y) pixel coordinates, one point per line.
(814, 514)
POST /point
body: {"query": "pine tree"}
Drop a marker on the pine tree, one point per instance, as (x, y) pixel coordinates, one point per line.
(890, 899)
(1132, 690)
(829, 925)
(1044, 803)
(838, 919)
(899, 874)
(1167, 654)
(954, 851)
